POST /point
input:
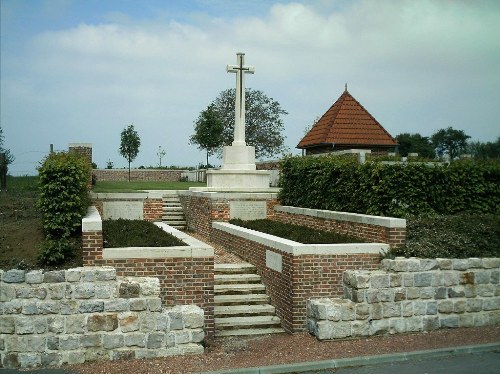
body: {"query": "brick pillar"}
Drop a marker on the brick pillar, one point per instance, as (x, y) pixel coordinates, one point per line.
(84, 149)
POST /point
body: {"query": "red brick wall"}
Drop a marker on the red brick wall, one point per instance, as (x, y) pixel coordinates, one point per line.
(183, 280)
(372, 233)
(302, 277)
(153, 209)
(200, 212)
(91, 247)
(137, 175)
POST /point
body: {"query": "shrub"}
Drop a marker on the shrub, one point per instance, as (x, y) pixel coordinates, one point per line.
(54, 251)
(62, 202)
(300, 234)
(133, 233)
(460, 236)
(399, 190)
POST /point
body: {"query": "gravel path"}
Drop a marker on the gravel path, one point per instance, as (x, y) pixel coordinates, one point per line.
(232, 353)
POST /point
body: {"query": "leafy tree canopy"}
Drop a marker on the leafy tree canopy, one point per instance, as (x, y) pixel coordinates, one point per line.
(450, 141)
(129, 145)
(415, 143)
(486, 150)
(263, 121)
(208, 131)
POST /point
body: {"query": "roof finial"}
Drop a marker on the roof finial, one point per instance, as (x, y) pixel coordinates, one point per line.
(346, 87)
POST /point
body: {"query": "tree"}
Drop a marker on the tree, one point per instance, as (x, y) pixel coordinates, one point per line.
(263, 122)
(208, 131)
(486, 150)
(129, 146)
(450, 141)
(415, 143)
(9, 157)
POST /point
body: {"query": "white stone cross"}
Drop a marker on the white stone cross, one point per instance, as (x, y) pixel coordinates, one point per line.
(239, 108)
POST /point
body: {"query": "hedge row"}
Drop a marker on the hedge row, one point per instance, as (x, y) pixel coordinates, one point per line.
(398, 190)
(63, 182)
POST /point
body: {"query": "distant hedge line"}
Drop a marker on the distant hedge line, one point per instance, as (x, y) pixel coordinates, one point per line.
(398, 190)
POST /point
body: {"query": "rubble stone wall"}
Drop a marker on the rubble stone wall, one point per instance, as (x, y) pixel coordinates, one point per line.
(86, 314)
(410, 295)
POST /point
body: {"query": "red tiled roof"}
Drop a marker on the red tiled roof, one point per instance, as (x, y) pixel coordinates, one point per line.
(347, 122)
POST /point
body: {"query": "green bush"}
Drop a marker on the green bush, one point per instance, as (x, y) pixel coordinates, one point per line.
(54, 251)
(300, 234)
(133, 233)
(459, 236)
(398, 190)
(63, 201)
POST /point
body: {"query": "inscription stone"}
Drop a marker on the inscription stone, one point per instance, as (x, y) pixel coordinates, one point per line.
(274, 261)
(247, 210)
(123, 209)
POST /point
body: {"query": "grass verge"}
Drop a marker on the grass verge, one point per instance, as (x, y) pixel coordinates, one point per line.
(127, 233)
(135, 186)
(300, 234)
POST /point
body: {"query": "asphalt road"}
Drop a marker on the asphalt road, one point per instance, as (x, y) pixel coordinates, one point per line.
(476, 363)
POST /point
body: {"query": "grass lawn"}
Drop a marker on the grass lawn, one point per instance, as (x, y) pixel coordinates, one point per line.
(134, 186)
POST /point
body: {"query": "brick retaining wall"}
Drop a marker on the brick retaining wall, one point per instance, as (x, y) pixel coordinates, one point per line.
(186, 274)
(371, 228)
(89, 314)
(302, 276)
(203, 208)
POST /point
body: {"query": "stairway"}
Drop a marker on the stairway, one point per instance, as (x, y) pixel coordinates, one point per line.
(241, 304)
(173, 214)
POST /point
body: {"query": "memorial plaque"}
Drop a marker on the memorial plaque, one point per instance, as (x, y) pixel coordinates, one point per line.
(274, 260)
(122, 209)
(247, 210)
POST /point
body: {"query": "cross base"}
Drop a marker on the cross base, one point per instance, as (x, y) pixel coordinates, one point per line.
(238, 157)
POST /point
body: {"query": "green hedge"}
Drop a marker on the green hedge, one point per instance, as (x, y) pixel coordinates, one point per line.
(63, 183)
(398, 190)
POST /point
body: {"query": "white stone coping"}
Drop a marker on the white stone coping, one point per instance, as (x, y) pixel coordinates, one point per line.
(298, 249)
(389, 222)
(194, 248)
(92, 221)
(267, 194)
(119, 195)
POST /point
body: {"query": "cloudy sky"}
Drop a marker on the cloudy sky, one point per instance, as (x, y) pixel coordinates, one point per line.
(80, 71)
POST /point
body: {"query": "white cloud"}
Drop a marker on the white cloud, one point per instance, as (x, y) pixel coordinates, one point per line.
(414, 65)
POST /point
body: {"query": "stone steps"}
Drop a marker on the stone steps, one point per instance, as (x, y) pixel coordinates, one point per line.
(241, 306)
(236, 278)
(173, 214)
(244, 310)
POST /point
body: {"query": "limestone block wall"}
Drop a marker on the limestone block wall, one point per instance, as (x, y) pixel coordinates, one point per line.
(371, 228)
(293, 272)
(86, 314)
(410, 295)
